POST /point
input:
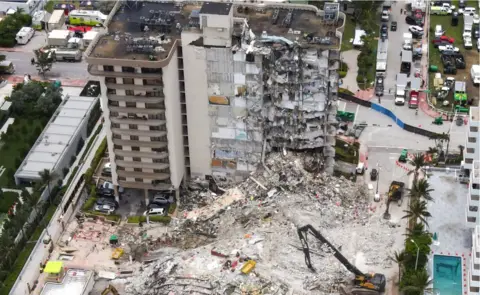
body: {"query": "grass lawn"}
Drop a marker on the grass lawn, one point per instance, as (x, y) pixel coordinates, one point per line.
(348, 33)
(23, 130)
(471, 56)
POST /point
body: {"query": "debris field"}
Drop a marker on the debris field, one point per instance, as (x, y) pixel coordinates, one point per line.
(205, 249)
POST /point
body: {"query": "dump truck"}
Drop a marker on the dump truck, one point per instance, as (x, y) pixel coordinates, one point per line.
(395, 192)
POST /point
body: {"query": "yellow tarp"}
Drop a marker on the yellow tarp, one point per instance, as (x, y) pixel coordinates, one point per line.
(53, 267)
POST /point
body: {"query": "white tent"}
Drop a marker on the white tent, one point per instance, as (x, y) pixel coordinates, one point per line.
(357, 41)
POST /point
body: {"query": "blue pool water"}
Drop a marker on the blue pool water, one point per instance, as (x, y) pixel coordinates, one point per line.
(447, 275)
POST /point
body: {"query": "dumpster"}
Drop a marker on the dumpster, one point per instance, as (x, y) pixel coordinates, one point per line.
(248, 267)
(117, 253)
(433, 69)
(345, 116)
(403, 156)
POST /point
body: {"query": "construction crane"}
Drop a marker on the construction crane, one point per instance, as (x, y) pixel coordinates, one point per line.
(110, 290)
(371, 283)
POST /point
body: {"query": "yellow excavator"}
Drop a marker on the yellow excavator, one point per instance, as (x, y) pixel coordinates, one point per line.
(110, 290)
(365, 283)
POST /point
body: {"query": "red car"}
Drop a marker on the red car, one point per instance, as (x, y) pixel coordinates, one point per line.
(443, 39)
(413, 101)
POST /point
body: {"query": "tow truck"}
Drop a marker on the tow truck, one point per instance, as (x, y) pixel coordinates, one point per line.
(364, 283)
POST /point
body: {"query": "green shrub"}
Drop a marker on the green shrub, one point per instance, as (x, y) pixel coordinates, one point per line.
(72, 175)
(89, 204)
(93, 191)
(138, 219)
(99, 154)
(111, 217)
(171, 208)
(88, 176)
(343, 90)
(360, 79)
(6, 201)
(342, 74)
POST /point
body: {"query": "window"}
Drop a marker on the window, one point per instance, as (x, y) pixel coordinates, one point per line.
(158, 150)
(117, 136)
(473, 219)
(154, 106)
(111, 91)
(158, 171)
(117, 147)
(154, 128)
(470, 150)
(472, 139)
(133, 137)
(108, 68)
(110, 80)
(474, 289)
(151, 71)
(113, 103)
(121, 178)
(129, 92)
(160, 160)
(137, 169)
(156, 138)
(154, 82)
(154, 94)
(120, 168)
(473, 208)
(137, 159)
(128, 81)
(131, 104)
(473, 129)
(128, 69)
(475, 197)
(114, 114)
(117, 157)
(475, 185)
(250, 57)
(135, 148)
(468, 161)
(138, 179)
(133, 126)
(115, 125)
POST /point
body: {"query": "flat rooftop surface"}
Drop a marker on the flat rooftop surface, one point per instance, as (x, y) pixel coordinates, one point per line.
(52, 143)
(74, 283)
(171, 18)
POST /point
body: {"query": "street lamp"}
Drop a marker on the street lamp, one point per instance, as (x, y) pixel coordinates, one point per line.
(378, 177)
(418, 250)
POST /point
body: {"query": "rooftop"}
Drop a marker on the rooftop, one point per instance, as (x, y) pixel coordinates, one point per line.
(56, 137)
(74, 283)
(165, 21)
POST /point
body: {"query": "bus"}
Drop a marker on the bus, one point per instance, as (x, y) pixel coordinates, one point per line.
(86, 17)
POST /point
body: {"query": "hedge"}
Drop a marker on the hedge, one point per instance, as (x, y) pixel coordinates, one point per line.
(138, 219)
(90, 142)
(171, 208)
(111, 217)
(89, 204)
(342, 74)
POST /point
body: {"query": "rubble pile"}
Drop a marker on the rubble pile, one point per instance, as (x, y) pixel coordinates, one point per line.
(262, 226)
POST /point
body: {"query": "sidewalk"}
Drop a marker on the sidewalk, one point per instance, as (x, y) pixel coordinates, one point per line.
(65, 81)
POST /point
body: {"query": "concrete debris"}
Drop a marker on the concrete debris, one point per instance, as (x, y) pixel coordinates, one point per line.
(260, 225)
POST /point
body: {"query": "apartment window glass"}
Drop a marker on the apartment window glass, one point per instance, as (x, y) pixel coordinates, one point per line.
(138, 179)
(137, 159)
(154, 128)
(151, 71)
(115, 125)
(470, 150)
(133, 137)
(110, 80)
(137, 169)
(473, 128)
(117, 136)
(158, 171)
(121, 178)
(113, 103)
(132, 126)
(469, 161)
(128, 81)
(108, 68)
(117, 147)
(111, 91)
(154, 106)
(120, 168)
(472, 139)
(119, 157)
(473, 219)
(474, 289)
(157, 150)
(131, 104)
(114, 114)
(135, 148)
(152, 82)
(128, 69)
(473, 208)
(129, 92)
(160, 160)
(156, 138)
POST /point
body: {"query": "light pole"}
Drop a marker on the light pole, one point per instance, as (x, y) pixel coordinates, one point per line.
(378, 177)
(418, 250)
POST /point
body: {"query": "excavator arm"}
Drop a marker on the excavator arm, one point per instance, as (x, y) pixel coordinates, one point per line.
(302, 234)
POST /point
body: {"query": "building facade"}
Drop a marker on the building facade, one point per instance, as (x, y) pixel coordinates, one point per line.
(208, 89)
(471, 164)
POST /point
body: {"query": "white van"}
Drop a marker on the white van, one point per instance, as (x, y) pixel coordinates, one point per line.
(24, 35)
(467, 11)
(439, 31)
(154, 211)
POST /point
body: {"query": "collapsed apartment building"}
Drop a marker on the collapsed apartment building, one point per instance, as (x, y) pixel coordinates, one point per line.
(192, 89)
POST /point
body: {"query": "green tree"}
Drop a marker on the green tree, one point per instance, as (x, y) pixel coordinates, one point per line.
(417, 283)
(417, 230)
(44, 61)
(399, 258)
(417, 211)
(47, 177)
(421, 190)
(418, 161)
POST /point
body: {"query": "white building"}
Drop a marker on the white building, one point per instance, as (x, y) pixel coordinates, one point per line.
(58, 142)
(471, 165)
(474, 267)
(28, 6)
(223, 84)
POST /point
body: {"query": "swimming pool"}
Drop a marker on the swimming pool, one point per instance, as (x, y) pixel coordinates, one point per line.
(447, 275)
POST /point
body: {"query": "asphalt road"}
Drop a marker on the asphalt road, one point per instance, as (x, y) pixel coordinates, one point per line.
(22, 62)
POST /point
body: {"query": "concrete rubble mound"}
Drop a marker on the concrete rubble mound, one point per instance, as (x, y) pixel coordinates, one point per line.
(257, 220)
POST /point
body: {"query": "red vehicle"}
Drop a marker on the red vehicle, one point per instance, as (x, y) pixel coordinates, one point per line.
(443, 39)
(413, 101)
(418, 16)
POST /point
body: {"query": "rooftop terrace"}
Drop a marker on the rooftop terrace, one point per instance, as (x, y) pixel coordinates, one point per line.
(165, 21)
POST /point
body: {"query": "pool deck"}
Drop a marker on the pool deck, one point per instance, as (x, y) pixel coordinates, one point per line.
(448, 218)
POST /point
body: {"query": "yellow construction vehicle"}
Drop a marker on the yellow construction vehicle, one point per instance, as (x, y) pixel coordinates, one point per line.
(110, 290)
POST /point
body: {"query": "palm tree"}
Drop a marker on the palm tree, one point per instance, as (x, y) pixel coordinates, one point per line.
(399, 258)
(418, 284)
(418, 161)
(417, 230)
(421, 189)
(47, 177)
(416, 211)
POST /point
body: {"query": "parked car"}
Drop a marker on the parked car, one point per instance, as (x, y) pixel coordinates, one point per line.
(393, 26)
(467, 42)
(384, 32)
(410, 20)
(454, 21)
(105, 192)
(476, 33)
(105, 206)
(155, 211)
(373, 174)
(415, 30)
(379, 86)
(110, 185)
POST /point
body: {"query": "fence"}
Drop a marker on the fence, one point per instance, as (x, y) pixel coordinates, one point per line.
(390, 114)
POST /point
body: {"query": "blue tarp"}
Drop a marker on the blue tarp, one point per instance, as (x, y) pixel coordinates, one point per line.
(389, 113)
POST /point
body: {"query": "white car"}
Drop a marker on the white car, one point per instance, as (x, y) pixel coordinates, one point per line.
(467, 42)
(415, 29)
(399, 100)
(448, 47)
(476, 19)
(478, 45)
(154, 211)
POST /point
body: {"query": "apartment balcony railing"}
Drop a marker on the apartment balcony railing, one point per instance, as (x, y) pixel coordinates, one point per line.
(144, 122)
(150, 155)
(137, 132)
(134, 87)
(136, 110)
(93, 70)
(134, 164)
(150, 144)
(144, 175)
(136, 98)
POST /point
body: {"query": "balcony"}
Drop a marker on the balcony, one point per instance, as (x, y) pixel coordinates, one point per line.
(139, 132)
(150, 144)
(133, 164)
(144, 122)
(135, 98)
(136, 110)
(150, 155)
(134, 87)
(143, 185)
(144, 175)
(93, 70)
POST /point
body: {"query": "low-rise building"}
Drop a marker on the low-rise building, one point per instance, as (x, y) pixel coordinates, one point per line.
(58, 142)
